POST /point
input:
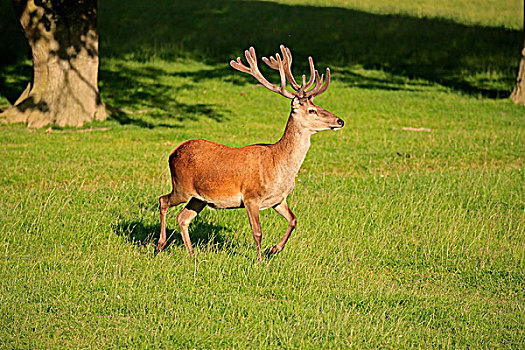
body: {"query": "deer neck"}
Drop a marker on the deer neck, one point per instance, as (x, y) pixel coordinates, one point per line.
(291, 149)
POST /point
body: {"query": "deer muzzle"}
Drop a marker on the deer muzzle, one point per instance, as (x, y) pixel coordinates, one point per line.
(340, 122)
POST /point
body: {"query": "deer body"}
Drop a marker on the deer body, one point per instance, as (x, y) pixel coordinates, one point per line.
(265, 172)
(255, 177)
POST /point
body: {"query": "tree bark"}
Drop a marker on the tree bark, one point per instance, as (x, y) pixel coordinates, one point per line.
(518, 94)
(64, 43)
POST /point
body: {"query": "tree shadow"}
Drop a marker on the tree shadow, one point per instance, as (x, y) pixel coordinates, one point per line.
(184, 112)
(202, 234)
(13, 45)
(472, 59)
(148, 102)
(13, 79)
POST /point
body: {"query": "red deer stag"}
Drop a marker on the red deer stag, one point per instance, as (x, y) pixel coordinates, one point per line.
(255, 177)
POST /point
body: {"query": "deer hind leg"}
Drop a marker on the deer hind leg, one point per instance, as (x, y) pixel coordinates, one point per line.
(184, 219)
(283, 209)
(253, 215)
(165, 202)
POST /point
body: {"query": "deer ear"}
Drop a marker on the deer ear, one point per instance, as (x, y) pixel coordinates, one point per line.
(296, 103)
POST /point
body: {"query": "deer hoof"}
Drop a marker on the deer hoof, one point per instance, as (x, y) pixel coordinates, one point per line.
(160, 247)
(272, 250)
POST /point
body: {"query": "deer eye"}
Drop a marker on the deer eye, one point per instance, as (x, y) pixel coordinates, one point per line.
(312, 111)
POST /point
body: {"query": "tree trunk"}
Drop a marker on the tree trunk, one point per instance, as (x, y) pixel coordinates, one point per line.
(64, 44)
(518, 94)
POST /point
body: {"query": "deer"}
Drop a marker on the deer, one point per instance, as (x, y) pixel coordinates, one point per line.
(254, 177)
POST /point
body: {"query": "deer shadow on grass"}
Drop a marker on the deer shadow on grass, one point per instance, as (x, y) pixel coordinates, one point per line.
(203, 234)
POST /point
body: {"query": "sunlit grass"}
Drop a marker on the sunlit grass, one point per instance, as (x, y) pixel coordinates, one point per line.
(494, 13)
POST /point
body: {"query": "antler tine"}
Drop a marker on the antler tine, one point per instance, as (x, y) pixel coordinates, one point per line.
(312, 74)
(239, 65)
(253, 70)
(319, 87)
(304, 86)
(281, 72)
(272, 62)
(287, 55)
(285, 66)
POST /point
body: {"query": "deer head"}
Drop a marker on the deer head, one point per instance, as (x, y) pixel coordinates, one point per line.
(307, 115)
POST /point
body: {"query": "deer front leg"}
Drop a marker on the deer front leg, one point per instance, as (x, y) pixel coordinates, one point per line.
(253, 215)
(283, 209)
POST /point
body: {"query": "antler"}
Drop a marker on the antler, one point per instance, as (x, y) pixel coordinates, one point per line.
(284, 66)
(287, 65)
(254, 71)
(302, 90)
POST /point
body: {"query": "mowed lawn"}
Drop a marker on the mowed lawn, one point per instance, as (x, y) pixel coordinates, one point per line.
(411, 218)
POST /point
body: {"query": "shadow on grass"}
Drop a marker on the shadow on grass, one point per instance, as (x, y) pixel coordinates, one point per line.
(202, 234)
(470, 59)
(184, 112)
(150, 102)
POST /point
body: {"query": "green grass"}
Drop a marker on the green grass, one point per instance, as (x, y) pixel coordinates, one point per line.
(405, 239)
(492, 13)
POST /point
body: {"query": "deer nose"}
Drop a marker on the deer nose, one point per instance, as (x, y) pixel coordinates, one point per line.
(340, 122)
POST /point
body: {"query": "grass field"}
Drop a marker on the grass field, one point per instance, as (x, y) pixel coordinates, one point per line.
(411, 219)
